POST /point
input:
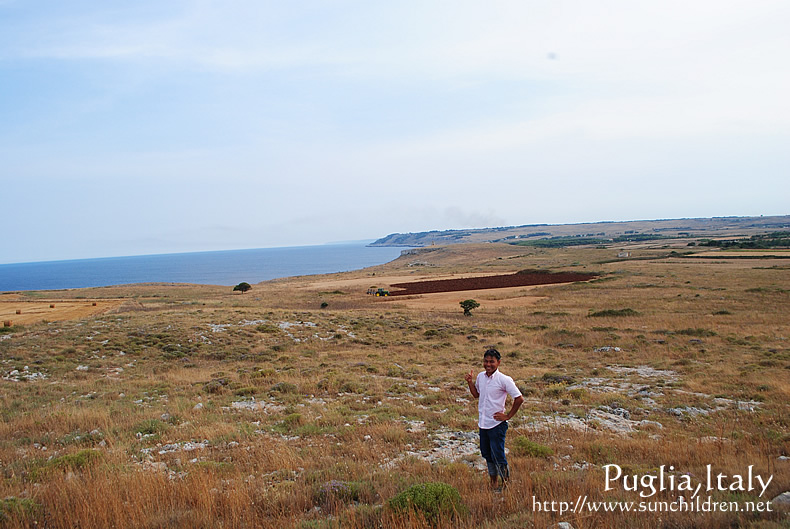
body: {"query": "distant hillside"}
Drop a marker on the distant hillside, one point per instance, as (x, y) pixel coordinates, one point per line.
(595, 231)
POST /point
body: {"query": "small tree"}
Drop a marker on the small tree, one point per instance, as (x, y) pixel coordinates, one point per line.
(468, 305)
(242, 287)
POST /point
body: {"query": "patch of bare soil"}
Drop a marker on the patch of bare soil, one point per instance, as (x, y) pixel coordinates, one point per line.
(363, 283)
(519, 279)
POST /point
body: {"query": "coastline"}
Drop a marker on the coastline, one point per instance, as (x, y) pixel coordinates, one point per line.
(222, 268)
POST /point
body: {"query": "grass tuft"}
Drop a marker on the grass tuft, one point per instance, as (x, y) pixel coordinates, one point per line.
(526, 448)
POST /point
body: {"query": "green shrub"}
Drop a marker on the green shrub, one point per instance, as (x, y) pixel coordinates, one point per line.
(76, 461)
(215, 467)
(338, 491)
(433, 500)
(151, 427)
(598, 453)
(556, 378)
(577, 393)
(526, 448)
(285, 387)
(216, 386)
(242, 287)
(469, 305)
(293, 419)
(24, 507)
(554, 390)
(79, 437)
(262, 373)
(350, 387)
(697, 332)
(613, 312)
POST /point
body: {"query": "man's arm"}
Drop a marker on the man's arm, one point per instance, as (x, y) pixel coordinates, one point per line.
(517, 402)
(470, 380)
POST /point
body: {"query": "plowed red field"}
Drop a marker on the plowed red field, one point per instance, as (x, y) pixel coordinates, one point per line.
(519, 279)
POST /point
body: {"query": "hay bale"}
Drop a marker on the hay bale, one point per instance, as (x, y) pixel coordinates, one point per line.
(7, 323)
(94, 304)
(19, 311)
(52, 306)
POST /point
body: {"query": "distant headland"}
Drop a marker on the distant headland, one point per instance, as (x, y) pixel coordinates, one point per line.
(594, 232)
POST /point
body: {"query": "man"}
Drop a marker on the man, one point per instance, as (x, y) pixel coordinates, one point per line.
(491, 388)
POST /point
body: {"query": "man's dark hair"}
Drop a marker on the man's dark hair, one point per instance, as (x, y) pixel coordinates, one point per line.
(491, 351)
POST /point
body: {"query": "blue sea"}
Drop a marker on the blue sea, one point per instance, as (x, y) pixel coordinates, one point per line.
(208, 268)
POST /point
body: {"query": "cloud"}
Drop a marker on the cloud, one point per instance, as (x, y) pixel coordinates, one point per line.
(611, 39)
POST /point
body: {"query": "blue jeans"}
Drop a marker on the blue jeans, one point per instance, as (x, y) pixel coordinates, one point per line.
(492, 447)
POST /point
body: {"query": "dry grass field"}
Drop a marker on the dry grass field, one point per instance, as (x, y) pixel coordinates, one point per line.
(13, 309)
(305, 403)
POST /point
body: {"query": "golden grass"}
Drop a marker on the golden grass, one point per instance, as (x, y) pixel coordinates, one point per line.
(29, 312)
(210, 408)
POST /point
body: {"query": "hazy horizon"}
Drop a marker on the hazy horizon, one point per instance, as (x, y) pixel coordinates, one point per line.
(369, 241)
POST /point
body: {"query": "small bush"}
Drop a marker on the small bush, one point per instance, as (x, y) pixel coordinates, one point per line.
(697, 332)
(526, 448)
(289, 423)
(263, 372)
(24, 507)
(598, 453)
(613, 313)
(77, 461)
(79, 437)
(338, 491)
(577, 393)
(151, 427)
(285, 387)
(215, 386)
(214, 467)
(433, 500)
(556, 378)
(554, 390)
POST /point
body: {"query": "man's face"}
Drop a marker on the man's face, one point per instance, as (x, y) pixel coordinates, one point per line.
(490, 364)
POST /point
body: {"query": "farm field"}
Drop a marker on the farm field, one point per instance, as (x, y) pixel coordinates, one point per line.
(18, 312)
(306, 403)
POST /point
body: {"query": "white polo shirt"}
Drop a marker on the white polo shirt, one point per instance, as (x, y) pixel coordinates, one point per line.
(493, 394)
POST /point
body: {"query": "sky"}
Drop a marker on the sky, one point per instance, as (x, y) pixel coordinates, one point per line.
(165, 126)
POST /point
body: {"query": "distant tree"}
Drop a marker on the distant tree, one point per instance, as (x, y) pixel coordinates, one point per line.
(242, 287)
(468, 305)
